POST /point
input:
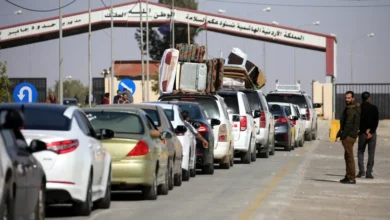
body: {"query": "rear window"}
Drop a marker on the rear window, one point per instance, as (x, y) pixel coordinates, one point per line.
(45, 119)
(170, 114)
(275, 109)
(232, 103)
(193, 110)
(288, 98)
(254, 100)
(208, 104)
(119, 122)
(154, 116)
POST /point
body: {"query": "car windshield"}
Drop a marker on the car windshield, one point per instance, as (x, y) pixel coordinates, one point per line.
(232, 103)
(254, 100)
(43, 118)
(169, 113)
(119, 122)
(208, 104)
(288, 98)
(154, 116)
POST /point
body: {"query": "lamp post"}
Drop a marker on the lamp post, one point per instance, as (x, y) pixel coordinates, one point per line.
(61, 86)
(352, 47)
(316, 23)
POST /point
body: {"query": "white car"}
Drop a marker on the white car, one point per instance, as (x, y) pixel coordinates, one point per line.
(241, 117)
(215, 108)
(264, 124)
(186, 139)
(300, 125)
(77, 167)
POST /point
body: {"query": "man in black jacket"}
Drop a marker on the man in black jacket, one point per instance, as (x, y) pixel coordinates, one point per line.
(369, 121)
(349, 126)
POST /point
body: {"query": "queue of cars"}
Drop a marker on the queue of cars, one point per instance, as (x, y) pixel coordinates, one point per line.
(79, 156)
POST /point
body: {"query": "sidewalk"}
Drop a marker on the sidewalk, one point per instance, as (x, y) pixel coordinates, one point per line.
(319, 194)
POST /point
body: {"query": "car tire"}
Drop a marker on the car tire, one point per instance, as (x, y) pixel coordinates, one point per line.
(85, 208)
(39, 212)
(105, 202)
(7, 204)
(163, 189)
(301, 143)
(272, 152)
(171, 176)
(308, 136)
(314, 137)
(209, 169)
(231, 160)
(246, 156)
(186, 175)
(193, 172)
(288, 147)
(178, 178)
(150, 192)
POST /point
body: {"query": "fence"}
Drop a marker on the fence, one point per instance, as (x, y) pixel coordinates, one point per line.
(39, 83)
(380, 96)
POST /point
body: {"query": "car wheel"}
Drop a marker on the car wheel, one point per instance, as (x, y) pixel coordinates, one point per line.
(288, 147)
(85, 208)
(272, 152)
(301, 143)
(209, 169)
(7, 205)
(231, 161)
(178, 178)
(246, 157)
(163, 189)
(254, 155)
(40, 207)
(105, 202)
(171, 176)
(315, 135)
(225, 165)
(186, 175)
(193, 170)
(150, 192)
(308, 136)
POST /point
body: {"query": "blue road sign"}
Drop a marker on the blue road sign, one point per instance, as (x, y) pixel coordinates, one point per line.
(25, 92)
(128, 84)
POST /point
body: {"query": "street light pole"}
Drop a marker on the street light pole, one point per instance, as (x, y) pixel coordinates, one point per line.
(112, 55)
(89, 55)
(61, 86)
(142, 51)
(147, 51)
(314, 23)
(352, 50)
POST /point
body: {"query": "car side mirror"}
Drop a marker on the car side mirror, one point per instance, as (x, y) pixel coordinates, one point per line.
(155, 134)
(196, 125)
(317, 105)
(166, 135)
(37, 146)
(215, 122)
(104, 134)
(257, 114)
(181, 129)
(11, 119)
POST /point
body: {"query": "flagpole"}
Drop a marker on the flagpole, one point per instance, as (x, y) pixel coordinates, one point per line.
(147, 50)
(142, 52)
(173, 23)
(188, 29)
(207, 48)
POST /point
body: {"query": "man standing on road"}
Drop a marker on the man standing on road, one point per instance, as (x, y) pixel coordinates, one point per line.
(129, 95)
(186, 117)
(369, 121)
(124, 99)
(349, 126)
(117, 97)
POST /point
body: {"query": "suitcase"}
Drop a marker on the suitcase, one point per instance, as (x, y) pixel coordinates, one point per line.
(191, 53)
(193, 77)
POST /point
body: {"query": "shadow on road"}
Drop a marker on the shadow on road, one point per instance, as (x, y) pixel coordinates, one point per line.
(60, 211)
(335, 175)
(322, 180)
(127, 196)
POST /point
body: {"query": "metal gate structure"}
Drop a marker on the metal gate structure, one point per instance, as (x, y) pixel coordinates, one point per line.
(39, 83)
(380, 96)
(98, 89)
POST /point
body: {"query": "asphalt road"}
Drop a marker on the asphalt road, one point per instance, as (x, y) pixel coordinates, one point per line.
(238, 193)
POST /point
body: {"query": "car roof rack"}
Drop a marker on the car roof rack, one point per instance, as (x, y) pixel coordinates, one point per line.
(288, 87)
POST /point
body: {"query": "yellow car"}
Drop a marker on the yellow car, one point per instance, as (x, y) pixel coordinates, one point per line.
(139, 155)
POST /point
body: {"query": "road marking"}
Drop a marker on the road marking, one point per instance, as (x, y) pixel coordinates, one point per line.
(260, 198)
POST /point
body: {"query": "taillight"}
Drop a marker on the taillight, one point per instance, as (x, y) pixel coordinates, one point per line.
(63, 147)
(281, 119)
(262, 120)
(222, 133)
(21, 128)
(243, 123)
(140, 149)
(203, 128)
(307, 114)
(294, 122)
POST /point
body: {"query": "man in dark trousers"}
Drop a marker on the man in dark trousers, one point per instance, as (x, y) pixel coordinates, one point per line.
(349, 127)
(369, 120)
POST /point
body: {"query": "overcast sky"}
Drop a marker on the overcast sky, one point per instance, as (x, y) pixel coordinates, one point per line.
(371, 61)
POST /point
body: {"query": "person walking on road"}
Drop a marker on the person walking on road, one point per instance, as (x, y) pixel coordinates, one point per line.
(369, 121)
(124, 99)
(349, 127)
(51, 99)
(106, 99)
(129, 95)
(186, 117)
